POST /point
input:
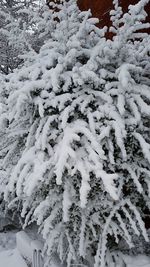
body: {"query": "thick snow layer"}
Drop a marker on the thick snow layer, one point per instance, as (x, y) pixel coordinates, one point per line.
(11, 258)
(137, 261)
(7, 241)
(9, 255)
(24, 245)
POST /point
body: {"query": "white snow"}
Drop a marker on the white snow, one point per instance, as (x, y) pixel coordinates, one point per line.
(137, 261)
(24, 245)
(74, 136)
(9, 255)
(11, 258)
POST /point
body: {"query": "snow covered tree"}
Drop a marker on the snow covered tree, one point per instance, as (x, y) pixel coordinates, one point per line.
(9, 12)
(22, 29)
(77, 135)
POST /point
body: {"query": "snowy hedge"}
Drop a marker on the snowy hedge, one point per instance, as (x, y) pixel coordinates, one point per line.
(76, 146)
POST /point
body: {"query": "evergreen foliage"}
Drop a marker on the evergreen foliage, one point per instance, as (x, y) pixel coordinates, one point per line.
(22, 29)
(76, 142)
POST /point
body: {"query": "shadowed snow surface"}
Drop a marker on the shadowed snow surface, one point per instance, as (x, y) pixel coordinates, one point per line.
(11, 258)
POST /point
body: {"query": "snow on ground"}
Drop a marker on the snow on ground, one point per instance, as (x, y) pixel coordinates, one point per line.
(137, 261)
(10, 256)
(7, 240)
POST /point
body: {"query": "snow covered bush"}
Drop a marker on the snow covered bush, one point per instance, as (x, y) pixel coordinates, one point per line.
(23, 28)
(78, 150)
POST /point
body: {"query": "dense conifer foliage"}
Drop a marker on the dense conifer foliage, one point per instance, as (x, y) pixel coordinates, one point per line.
(75, 144)
(23, 28)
